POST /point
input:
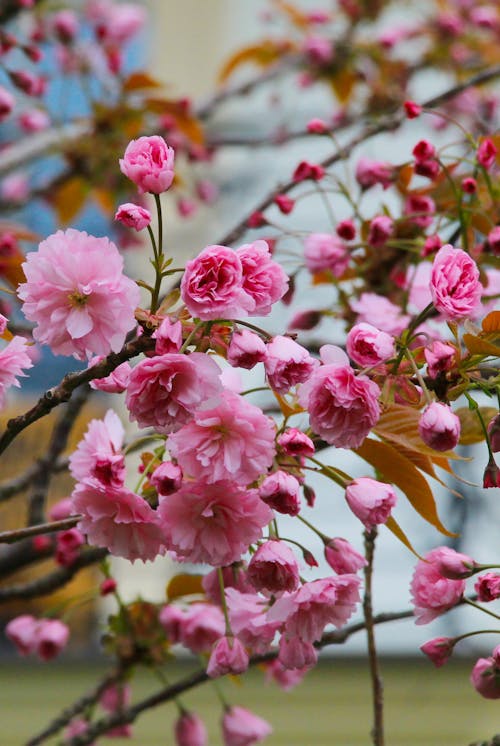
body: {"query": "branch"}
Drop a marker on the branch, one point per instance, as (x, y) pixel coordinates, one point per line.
(9, 537)
(386, 124)
(15, 485)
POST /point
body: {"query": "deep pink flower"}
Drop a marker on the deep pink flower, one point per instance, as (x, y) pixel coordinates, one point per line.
(14, 359)
(280, 490)
(116, 697)
(381, 229)
(246, 349)
(368, 346)
(200, 627)
(296, 443)
(486, 153)
(190, 730)
(166, 478)
(306, 612)
(325, 251)
(68, 545)
(22, 632)
(439, 427)
(342, 557)
(273, 568)
(494, 240)
(284, 203)
(455, 565)
(380, 312)
(439, 649)
(342, 407)
(99, 455)
(149, 163)
(116, 382)
(52, 636)
(77, 295)
(116, 23)
(228, 656)
(317, 126)
(7, 103)
(212, 285)
(296, 653)
(369, 173)
(440, 357)
(228, 438)
(469, 185)
(420, 209)
(370, 500)
(423, 150)
(65, 24)
(165, 391)
(240, 727)
(485, 676)
(133, 216)
(433, 594)
(455, 286)
(168, 337)
(249, 621)
(118, 519)
(264, 280)
(412, 109)
(306, 170)
(487, 587)
(346, 230)
(287, 363)
(212, 523)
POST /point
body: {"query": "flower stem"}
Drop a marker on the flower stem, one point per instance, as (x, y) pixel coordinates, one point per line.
(377, 733)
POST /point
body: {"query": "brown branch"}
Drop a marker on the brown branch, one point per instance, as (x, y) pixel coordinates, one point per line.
(9, 537)
(386, 124)
(14, 486)
(377, 732)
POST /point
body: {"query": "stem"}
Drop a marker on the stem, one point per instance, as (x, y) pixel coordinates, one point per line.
(160, 225)
(376, 679)
(420, 380)
(223, 602)
(481, 608)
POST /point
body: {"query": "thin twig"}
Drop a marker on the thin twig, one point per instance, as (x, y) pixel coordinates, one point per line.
(376, 679)
(14, 486)
(9, 537)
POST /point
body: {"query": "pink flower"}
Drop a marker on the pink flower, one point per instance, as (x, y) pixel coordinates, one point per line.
(306, 612)
(455, 286)
(77, 727)
(369, 173)
(172, 619)
(65, 24)
(207, 191)
(201, 626)
(494, 239)
(280, 490)
(287, 363)
(439, 427)
(249, 621)
(438, 650)
(346, 230)
(423, 150)
(264, 280)
(318, 49)
(296, 653)
(368, 346)
(98, 456)
(240, 727)
(77, 295)
(284, 203)
(432, 593)
(166, 478)
(412, 109)
(455, 565)
(7, 103)
(52, 637)
(486, 153)
(212, 523)
(228, 656)
(317, 126)
(116, 23)
(381, 229)
(485, 676)
(68, 544)
(420, 209)
(246, 349)
(22, 632)
(228, 438)
(149, 163)
(273, 568)
(286, 678)
(440, 357)
(487, 587)
(342, 557)
(296, 443)
(165, 391)
(342, 407)
(61, 509)
(116, 382)
(133, 216)
(190, 730)
(168, 336)
(324, 251)
(15, 188)
(212, 285)
(380, 312)
(14, 359)
(116, 697)
(370, 500)
(117, 519)
(234, 576)
(306, 170)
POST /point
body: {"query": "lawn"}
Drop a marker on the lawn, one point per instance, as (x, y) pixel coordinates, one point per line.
(425, 707)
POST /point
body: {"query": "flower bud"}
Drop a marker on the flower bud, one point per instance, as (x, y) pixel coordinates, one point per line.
(438, 650)
(228, 656)
(494, 433)
(370, 501)
(454, 565)
(412, 109)
(166, 478)
(297, 653)
(280, 491)
(190, 730)
(342, 557)
(246, 349)
(487, 587)
(51, 637)
(133, 216)
(296, 443)
(439, 427)
(273, 568)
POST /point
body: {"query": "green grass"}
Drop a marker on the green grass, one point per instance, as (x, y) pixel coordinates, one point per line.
(424, 706)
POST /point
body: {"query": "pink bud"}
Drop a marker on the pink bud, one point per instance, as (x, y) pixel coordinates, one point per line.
(487, 587)
(494, 240)
(22, 632)
(420, 209)
(149, 163)
(438, 650)
(491, 476)
(61, 509)
(342, 557)
(240, 727)
(431, 245)
(280, 491)
(369, 173)
(207, 191)
(190, 730)
(166, 478)
(273, 568)
(51, 637)
(108, 586)
(133, 216)
(494, 433)
(7, 103)
(256, 220)
(370, 500)
(296, 443)
(317, 127)
(346, 230)
(115, 697)
(423, 150)
(318, 49)
(439, 427)
(228, 656)
(486, 153)
(246, 349)
(34, 120)
(485, 676)
(412, 109)
(381, 229)
(65, 25)
(309, 558)
(368, 346)
(454, 565)
(440, 357)
(306, 170)
(68, 544)
(186, 207)
(296, 653)
(469, 185)
(285, 203)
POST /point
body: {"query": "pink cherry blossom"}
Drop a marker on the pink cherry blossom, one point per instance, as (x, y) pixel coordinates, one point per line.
(228, 438)
(296, 653)
(246, 349)
(118, 519)
(228, 656)
(212, 523)
(455, 286)
(296, 443)
(380, 312)
(240, 727)
(455, 565)
(7, 103)
(273, 569)
(381, 229)
(370, 500)
(439, 427)
(166, 478)
(249, 620)
(116, 382)
(264, 280)
(68, 545)
(115, 23)
(432, 593)
(370, 172)
(439, 649)
(190, 730)
(14, 359)
(280, 490)
(487, 587)
(286, 678)
(324, 251)
(342, 557)
(116, 697)
(287, 363)
(168, 336)
(165, 391)
(51, 637)
(201, 626)
(487, 153)
(133, 216)
(440, 357)
(98, 455)
(15, 188)
(420, 209)
(172, 618)
(149, 163)
(368, 346)
(22, 632)
(485, 676)
(77, 295)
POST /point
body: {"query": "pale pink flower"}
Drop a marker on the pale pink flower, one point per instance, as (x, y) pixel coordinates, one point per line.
(115, 22)
(287, 363)
(77, 295)
(240, 727)
(369, 173)
(61, 509)
(296, 653)
(342, 557)
(249, 620)
(116, 382)
(51, 637)
(99, 455)
(212, 285)
(306, 612)
(168, 336)
(202, 625)
(228, 656)
(280, 490)
(440, 357)
(319, 49)
(207, 191)
(22, 632)
(133, 216)
(118, 519)
(15, 188)
(487, 587)
(296, 443)
(342, 407)
(433, 594)
(76, 727)
(246, 349)
(439, 649)
(264, 280)
(380, 312)
(166, 478)
(14, 359)
(149, 163)
(455, 286)
(165, 391)
(439, 427)
(370, 500)
(286, 678)
(190, 730)
(273, 569)
(212, 523)
(368, 346)
(228, 438)
(485, 676)
(324, 251)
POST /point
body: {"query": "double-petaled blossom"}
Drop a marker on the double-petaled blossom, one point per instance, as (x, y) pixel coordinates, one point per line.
(14, 360)
(370, 500)
(273, 569)
(455, 286)
(228, 656)
(200, 627)
(77, 294)
(228, 438)
(439, 427)
(485, 676)
(213, 523)
(487, 587)
(380, 312)
(245, 349)
(342, 557)
(99, 455)
(264, 280)
(368, 346)
(287, 363)
(149, 163)
(240, 727)
(133, 216)
(116, 382)
(166, 478)
(440, 357)
(324, 251)
(190, 730)
(249, 620)
(280, 490)
(455, 565)
(432, 593)
(295, 653)
(294, 442)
